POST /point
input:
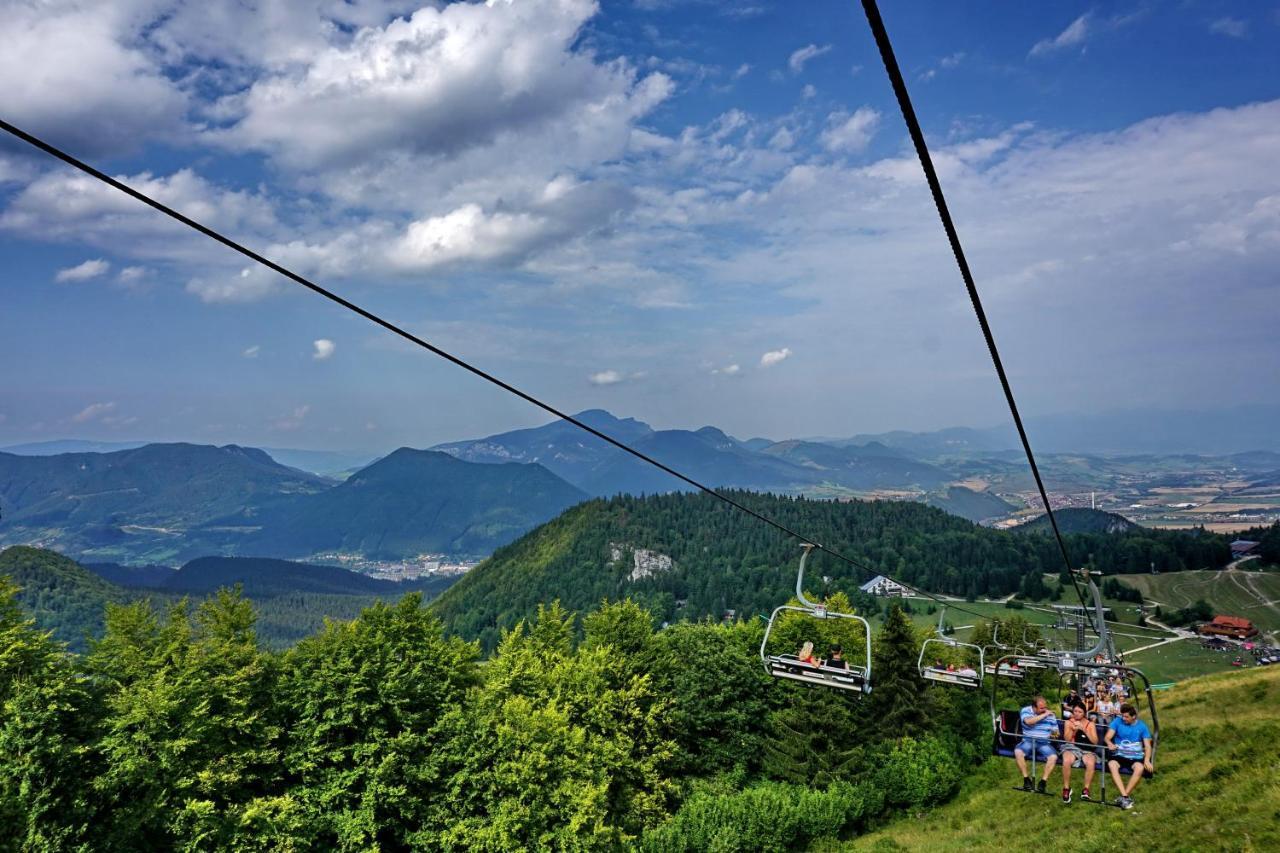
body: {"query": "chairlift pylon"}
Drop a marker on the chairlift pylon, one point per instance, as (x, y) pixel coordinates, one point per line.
(789, 666)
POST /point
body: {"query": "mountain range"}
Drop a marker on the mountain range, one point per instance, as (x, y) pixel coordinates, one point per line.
(707, 455)
(167, 503)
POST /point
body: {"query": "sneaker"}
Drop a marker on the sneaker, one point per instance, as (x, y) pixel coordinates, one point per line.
(1066, 795)
(1084, 795)
(1124, 802)
(1040, 787)
(1026, 783)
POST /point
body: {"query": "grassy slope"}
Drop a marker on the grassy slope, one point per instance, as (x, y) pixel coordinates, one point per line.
(1231, 592)
(1217, 787)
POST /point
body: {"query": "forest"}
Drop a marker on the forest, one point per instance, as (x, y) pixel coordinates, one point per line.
(721, 563)
(178, 730)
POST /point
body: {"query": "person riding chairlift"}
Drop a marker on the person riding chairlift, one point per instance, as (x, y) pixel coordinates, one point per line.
(835, 659)
(806, 655)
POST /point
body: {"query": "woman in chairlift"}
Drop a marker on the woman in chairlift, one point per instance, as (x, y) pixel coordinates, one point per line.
(835, 659)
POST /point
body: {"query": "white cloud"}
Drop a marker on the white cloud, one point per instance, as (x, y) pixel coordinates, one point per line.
(850, 133)
(73, 73)
(782, 139)
(776, 356)
(91, 412)
(248, 284)
(1075, 33)
(809, 91)
(132, 275)
(953, 60)
(67, 205)
(323, 348)
(439, 82)
(802, 56)
(727, 370)
(606, 377)
(251, 352)
(83, 272)
(742, 71)
(1233, 27)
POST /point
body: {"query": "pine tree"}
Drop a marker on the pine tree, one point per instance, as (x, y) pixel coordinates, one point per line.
(899, 703)
(813, 740)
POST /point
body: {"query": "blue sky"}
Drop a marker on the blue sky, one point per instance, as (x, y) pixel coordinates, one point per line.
(686, 212)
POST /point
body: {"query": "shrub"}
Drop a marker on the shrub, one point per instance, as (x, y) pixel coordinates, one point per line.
(770, 816)
(920, 771)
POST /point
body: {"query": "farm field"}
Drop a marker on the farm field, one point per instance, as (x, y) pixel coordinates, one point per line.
(1237, 593)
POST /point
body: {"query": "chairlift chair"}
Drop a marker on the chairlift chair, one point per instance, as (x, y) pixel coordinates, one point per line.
(946, 676)
(1006, 723)
(1002, 669)
(856, 678)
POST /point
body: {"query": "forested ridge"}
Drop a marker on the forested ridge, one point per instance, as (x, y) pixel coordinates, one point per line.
(723, 560)
(177, 730)
(292, 599)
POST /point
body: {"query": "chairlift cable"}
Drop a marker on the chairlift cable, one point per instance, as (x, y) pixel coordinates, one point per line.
(935, 187)
(297, 278)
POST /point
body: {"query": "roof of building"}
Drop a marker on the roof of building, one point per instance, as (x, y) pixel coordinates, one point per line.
(1244, 543)
(1232, 622)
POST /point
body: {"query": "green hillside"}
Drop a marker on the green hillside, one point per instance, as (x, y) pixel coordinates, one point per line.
(293, 600)
(1253, 595)
(1079, 520)
(62, 596)
(140, 505)
(966, 503)
(688, 556)
(415, 501)
(1215, 788)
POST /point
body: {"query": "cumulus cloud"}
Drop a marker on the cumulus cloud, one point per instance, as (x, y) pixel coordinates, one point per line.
(83, 272)
(850, 133)
(606, 377)
(1233, 27)
(727, 370)
(801, 57)
(131, 275)
(438, 82)
(67, 205)
(1075, 33)
(776, 356)
(251, 352)
(248, 284)
(92, 412)
(322, 349)
(73, 72)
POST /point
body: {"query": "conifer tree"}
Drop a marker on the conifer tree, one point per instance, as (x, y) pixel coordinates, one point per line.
(899, 704)
(814, 739)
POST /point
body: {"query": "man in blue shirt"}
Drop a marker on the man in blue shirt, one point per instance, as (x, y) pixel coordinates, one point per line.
(1038, 726)
(1130, 739)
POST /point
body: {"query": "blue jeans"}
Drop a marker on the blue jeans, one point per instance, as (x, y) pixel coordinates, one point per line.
(1041, 748)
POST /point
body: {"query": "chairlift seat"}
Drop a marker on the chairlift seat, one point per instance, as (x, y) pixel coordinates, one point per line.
(1006, 671)
(790, 666)
(944, 676)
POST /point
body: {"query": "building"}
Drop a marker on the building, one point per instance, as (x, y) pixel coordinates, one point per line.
(887, 587)
(1242, 548)
(1229, 626)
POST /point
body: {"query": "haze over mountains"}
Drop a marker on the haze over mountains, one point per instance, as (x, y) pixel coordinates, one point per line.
(168, 503)
(707, 455)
